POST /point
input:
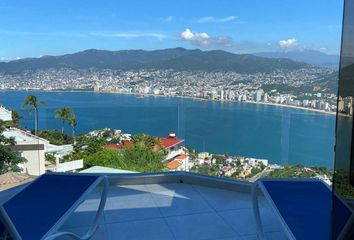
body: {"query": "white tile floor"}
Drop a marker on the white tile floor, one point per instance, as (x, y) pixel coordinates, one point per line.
(173, 211)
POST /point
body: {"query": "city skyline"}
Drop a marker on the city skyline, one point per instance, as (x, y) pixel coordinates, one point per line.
(55, 28)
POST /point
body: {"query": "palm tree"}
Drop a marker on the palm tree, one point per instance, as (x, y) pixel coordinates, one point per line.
(64, 114)
(72, 122)
(33, 103)
(16, 117)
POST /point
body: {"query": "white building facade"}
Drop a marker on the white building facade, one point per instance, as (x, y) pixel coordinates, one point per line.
(5, 114)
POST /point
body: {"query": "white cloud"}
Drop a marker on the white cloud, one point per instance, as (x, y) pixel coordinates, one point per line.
(159, 36)
(187, 34)
(228, 19)
(291, 42)
(203, 39)
(168, 19)
(206, 19)
(210, 19)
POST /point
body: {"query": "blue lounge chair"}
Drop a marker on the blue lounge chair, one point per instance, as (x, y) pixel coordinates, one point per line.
(39, 210)
(304, 207)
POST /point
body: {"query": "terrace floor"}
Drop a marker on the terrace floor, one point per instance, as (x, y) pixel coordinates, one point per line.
(174, 211)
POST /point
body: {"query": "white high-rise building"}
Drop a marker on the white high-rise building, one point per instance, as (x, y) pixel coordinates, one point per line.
(214, 95)
(257, 97)
(305, 102)
(265, 98)
(232, 95)
(147, 90)
(326, 106)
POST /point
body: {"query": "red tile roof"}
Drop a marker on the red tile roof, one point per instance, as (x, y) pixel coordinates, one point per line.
(124, 144)
(166, 142)
(170, 141)
(113, 146)
(181, 156)
(174, 164)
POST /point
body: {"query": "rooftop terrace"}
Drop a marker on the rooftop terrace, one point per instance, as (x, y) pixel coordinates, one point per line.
(174, 206)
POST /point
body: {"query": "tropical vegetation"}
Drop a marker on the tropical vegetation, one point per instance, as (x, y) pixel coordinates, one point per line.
(64, 114)
(138, 158)
(9, 158)
(55, 137)
(32, 103)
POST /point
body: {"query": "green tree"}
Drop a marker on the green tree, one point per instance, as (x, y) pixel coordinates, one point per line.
(147, 140)
(50, 158)
(138, 158)
(219, 159)
(9, 159)
(106, 158)
(33, 104)
(212, 170)
(55, 137)
(292, 171)
(193, 154)
(88, 145)
(63, 114)
(16, 118)
(142, 159)
(73, 123)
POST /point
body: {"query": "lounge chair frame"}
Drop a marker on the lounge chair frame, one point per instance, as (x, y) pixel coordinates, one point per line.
(53, 232)
(258, 185)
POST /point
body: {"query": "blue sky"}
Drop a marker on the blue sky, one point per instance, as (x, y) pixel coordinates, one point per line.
(52, 27)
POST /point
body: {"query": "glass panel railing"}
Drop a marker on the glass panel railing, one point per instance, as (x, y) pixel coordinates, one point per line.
(342, 185)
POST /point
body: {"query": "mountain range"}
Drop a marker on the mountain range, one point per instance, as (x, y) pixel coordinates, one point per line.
(173, 58)
(312, 57)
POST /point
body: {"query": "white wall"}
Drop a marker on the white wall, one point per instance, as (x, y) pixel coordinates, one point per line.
(35, 164)
(70, 166)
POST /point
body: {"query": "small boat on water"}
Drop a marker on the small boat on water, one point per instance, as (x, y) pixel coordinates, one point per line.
(140, 96)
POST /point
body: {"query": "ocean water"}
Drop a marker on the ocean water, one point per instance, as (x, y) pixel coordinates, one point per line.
(281, 135)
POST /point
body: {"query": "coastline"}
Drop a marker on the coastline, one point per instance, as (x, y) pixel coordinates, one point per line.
(192, 98)
(233, 146)
(228, 101)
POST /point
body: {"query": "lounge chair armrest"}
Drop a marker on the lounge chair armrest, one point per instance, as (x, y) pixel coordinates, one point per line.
(94, 225)
(70, 234)
(257, 216)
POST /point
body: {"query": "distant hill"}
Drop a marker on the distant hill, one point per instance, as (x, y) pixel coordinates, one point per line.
(174, 58)
(308, 56)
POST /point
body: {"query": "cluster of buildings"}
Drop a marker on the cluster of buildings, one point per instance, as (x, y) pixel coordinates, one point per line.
(176, 159)
(110, 135)
(239, 167)
(308, 87)
(34, 150)
(345, 105)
